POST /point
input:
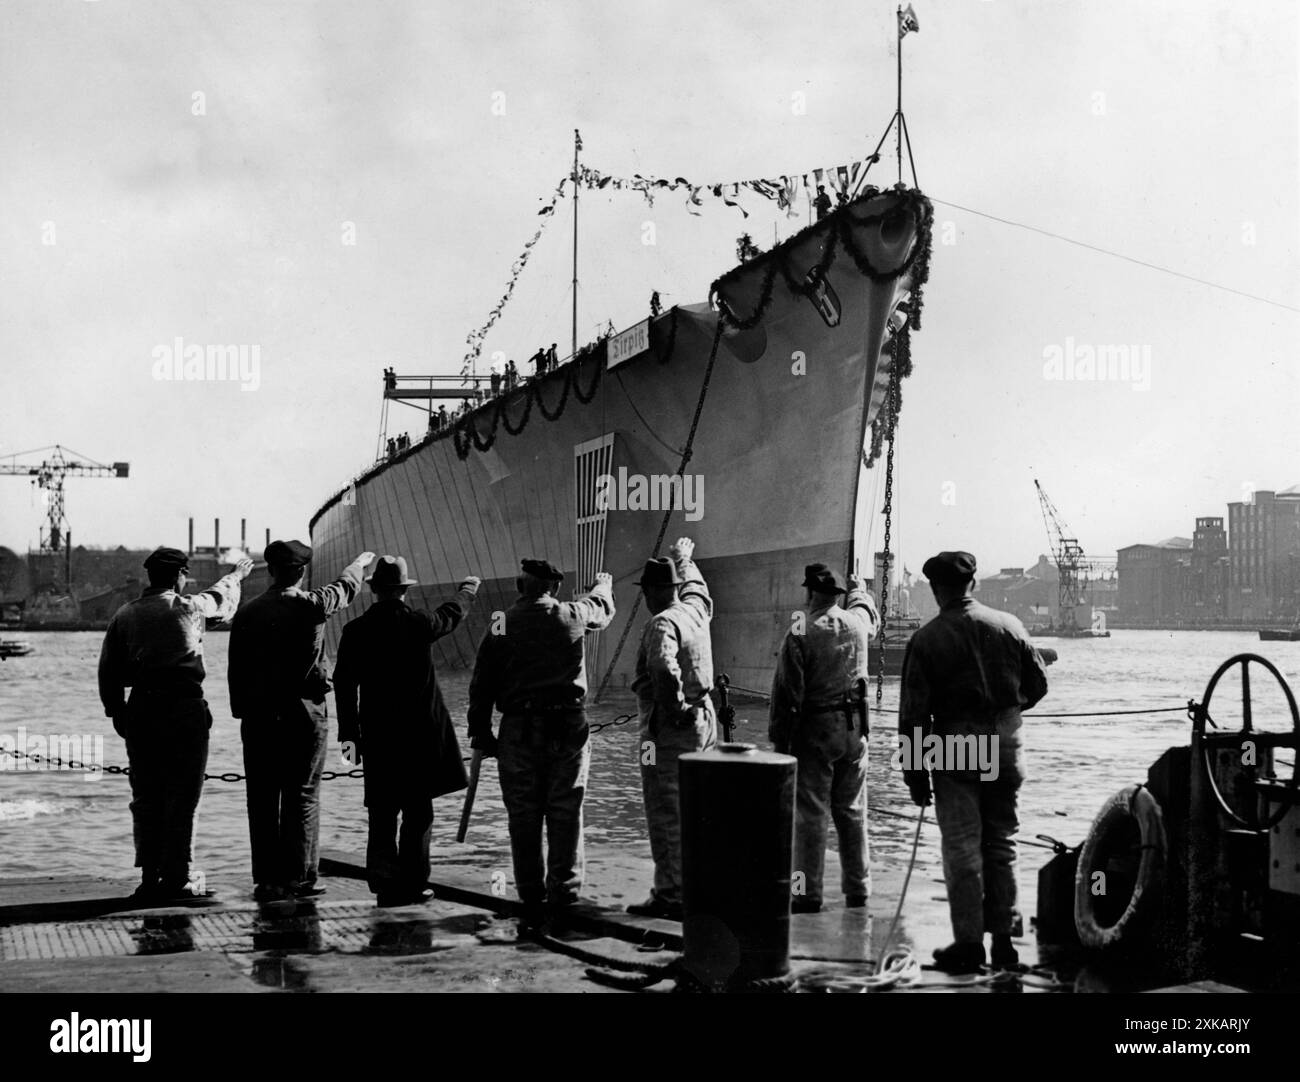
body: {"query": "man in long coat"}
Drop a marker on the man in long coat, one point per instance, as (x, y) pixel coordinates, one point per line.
(392, 720)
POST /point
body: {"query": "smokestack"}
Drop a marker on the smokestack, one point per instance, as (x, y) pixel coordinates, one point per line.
(216, 535)
(190, 551)
(268, 537)
(243, 535)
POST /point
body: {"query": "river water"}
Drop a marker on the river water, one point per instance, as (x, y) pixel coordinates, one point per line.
(72, 823)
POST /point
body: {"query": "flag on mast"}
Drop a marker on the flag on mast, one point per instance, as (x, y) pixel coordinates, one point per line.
(907, 21)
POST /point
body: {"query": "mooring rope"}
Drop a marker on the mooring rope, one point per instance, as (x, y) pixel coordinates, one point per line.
(687, 451)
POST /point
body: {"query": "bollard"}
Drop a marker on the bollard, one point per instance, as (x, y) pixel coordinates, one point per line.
(737, 807)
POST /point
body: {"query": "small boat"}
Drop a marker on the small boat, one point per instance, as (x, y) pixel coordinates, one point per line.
(1279, 634)
(15, 648)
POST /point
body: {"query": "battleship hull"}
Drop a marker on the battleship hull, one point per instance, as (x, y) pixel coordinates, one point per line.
(572, 467)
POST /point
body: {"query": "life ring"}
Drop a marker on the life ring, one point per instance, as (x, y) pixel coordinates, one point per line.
(1126, 847)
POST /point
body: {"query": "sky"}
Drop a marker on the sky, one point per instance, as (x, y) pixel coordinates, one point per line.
(197, 170)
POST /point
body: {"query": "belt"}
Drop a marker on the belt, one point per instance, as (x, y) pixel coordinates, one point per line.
(530, 707)
(178, 691)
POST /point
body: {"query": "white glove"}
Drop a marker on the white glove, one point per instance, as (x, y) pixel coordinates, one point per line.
(470, 585)
(682, 549)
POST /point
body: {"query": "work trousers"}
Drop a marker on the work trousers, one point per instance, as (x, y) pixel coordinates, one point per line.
(831, 782)
(397, 859)
(662, 745)
(284, 756)
(167, 747)
(978, 821)
(542, 760)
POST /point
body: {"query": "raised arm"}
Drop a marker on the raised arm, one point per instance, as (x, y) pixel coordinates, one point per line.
(694, 593)
(447, 617)
(862, 605)
(339, 593)
(220, 600)
(595, 608)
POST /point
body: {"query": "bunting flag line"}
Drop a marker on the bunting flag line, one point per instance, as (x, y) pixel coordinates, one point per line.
(475, 338)
(782, 190)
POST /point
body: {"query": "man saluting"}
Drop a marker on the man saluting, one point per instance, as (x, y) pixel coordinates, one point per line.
(534, 672)
(278, 684)
(392, 715)
(154, 646)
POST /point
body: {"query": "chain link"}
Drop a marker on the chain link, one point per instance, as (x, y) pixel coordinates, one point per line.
(231, 776)
(883, 588)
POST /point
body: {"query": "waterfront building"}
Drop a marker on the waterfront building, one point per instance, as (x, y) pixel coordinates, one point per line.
(1264, 556)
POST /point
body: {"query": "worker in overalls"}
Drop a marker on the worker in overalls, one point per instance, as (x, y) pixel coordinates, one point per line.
(154, 646)
(674, 675)
(532, 669)
(278, 687)
(819, 715)
(970, 672)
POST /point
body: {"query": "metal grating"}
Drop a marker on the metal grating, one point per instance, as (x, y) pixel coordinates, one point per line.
(355, 927)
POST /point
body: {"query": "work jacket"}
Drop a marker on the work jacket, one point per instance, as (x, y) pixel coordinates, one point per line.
(816, 669)
(970, 670)
(277, 645)
(674, 662)
(537, 658)
(156, 641)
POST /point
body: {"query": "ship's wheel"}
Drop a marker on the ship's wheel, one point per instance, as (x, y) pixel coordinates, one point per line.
(1200, 714)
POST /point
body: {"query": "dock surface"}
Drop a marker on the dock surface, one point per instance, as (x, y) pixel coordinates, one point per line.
(60, 934)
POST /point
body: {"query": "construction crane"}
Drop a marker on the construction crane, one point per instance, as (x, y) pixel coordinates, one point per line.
(1070, 562)
(48, 475)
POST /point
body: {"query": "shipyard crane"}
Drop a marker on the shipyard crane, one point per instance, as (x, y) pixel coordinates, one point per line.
(1068, 554)
(48, 475)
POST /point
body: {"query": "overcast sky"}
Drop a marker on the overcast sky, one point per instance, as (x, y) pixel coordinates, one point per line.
(1163, 131)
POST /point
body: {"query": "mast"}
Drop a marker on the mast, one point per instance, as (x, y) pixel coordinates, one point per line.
(898, 111)
(577, 146)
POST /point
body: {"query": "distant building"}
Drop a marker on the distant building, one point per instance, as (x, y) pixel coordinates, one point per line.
(1151, 581)
(1205, 583)
(1029, 596)
(1264, 556)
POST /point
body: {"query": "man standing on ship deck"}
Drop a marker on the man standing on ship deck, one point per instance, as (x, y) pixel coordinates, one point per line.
(154, 646)
(533, 670)
(819, 715)
(674, 676)
(278, 684)
(969, 672)
(392, 715)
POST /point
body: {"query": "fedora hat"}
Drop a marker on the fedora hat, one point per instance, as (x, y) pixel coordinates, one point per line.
(390, 571)
(660, 572)
(822, 579)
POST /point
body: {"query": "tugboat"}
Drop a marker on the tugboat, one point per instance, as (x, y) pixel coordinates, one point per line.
(15, 648)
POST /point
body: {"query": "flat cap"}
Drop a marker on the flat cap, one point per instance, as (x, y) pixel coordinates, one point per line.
(949, 567)
(542, 569)
(167, 557)
(822, 579)
(288, 554)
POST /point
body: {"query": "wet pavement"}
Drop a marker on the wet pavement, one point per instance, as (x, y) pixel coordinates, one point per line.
(70, 934)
